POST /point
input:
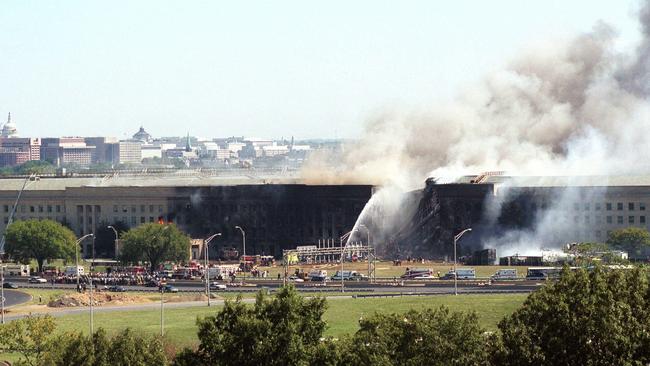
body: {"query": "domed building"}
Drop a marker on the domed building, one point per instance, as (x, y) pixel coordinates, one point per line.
(9, 128)
(143, 136)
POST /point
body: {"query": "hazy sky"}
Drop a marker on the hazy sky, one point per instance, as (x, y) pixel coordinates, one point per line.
(260, 68)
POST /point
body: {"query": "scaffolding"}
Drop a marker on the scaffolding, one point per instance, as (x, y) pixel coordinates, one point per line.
(330, 254)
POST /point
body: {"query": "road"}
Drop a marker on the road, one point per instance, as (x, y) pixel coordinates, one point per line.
(13, 297)
(253, 285)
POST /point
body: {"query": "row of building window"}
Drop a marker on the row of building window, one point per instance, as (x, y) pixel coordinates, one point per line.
(609, 206)
(133, 208)
(610, 219)
(40, 208)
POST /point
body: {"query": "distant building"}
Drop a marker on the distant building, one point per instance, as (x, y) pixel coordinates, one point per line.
(67, 150)
(13, 157)
(151, 151)
(103, 148)
(127, 152)
(23, 144)
(9, 128)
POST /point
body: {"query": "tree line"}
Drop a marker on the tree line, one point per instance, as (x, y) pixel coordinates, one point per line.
(45, 240)
(597, 317)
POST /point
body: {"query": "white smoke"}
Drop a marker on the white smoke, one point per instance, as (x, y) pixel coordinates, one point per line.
(570, 107)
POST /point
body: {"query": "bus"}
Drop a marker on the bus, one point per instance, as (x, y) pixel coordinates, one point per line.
(412, 273)
(462, 273)
(543, 273)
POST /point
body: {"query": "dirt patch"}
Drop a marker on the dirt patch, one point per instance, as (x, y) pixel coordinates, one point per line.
(184, 298)
(99, 299)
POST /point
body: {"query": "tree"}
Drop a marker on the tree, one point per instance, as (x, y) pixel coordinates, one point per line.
(28, 337)
(630, 239)
(155, 244)
(105, 238)
(585, 318)
(124, 349)
(41, 240)
(283, 330)
(417, 337)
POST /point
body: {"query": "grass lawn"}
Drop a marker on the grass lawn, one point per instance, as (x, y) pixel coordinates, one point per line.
(342, 314)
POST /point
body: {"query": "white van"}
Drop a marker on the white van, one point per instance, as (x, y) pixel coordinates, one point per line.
(349, 276)
(71, 271)
(505, 274)
(462, 273)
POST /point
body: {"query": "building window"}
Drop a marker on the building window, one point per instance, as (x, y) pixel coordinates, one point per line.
(619, 206)
(150, 208)
(598, 220)
(641, 206)
(576, 206)
(642, 219)
(608, 206)
(598, 233)
(150, 218)
(6, 220)
(133, 208)
(586, 219)
(133, 221)
(630, 219)
(576, 219)
(58, 208)
(630, 206)
(32, 209)
(115, 208)
(587, 206)
(142, 208)
(125, 209)
(49, 208)
(619, 219)
(160, 208)
(6, 208)
(597, 206)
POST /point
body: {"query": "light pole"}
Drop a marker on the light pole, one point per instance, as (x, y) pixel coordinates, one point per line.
(76, 258)
(116, 239)
(29, 180)
(2, 293)
(162, 292)
(92, 263)
(243, 235)
(207, 270)
(456, 238)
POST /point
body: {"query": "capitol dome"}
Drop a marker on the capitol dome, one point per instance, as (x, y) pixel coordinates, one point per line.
(9, 128)
(142, 136)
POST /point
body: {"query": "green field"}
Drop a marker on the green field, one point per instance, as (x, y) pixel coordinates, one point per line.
(342, 314)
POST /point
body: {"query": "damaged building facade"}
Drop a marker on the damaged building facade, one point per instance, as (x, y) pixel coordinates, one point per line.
(557, 210)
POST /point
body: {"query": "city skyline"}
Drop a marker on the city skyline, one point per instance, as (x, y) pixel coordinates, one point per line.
(323, 74)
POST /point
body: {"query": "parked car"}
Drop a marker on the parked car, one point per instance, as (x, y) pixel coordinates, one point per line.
(294, 278)
(169, 288)
(9, 285)
(216, 286)
(117, 289)
(37, 280)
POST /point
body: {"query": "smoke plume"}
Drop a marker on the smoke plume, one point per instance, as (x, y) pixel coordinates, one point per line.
(573, 107)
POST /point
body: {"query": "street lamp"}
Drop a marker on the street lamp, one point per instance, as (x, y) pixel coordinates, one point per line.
(456, 238)
(116, 239)
(76, 260)
(92, 263)
(207, 270)
(29, 180)
(2, 293)
(162, 292)
(243, 235)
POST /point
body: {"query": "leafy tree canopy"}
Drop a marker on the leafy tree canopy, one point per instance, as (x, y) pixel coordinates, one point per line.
(417, 337)
(586, 318)
(630, 239)
(155, 244)
(41, 240)
(283, 330)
